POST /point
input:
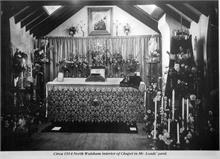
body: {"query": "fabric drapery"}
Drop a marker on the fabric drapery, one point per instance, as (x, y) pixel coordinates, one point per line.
(67, 47)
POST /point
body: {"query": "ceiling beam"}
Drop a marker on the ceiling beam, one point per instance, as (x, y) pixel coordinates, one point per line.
(187, 11)
(15, 10)
(59, 12)
(36, 21)
(50, 26)
(205, 8)
(197, 12)
(179, 13)
(141, 15)
(55, 15)
(20, 11)
(157, 13)
(104, 2)
(175, 15)
(13, 7)
(31, 17)
(55, 20)
(27, 12)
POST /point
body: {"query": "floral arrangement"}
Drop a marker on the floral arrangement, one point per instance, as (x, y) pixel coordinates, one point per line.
(100, 58)
(21, 70)
(168, 140)
(127, 28)
(114, 61)
(183, 75)
(117, 62)
(38, 58)
(181, 34)
(19, 62)
(154, 52)
(76, 66)
(72, 30)
(17, 127)
(132, 64)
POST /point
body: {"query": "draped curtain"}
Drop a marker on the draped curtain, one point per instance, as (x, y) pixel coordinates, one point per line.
(65, 47)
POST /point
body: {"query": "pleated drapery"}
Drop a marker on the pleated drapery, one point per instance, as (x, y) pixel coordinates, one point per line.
(66, 47)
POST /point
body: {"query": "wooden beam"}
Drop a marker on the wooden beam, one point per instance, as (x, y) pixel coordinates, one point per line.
(49, 26)
(27, 12)
(28, 17)
(157, 13)
(46, 26)
(16, 9)
(141, 15)
(36, 21)
(104, 2)
(21, 11)
(205, 8)
(59, 12)
(197, 12)
(187, 11)
(174, 14)
(32, 16)
(13, 8)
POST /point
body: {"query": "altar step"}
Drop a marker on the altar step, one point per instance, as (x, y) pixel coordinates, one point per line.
(89, 127)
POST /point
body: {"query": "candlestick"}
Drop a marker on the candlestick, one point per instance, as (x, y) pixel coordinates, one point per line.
(187, 114)
(15, 98)
(22, 80)
(165, 101)
(183, 124)
(178, 133)
(183, 108)
(187, 110)
(162, 115)
(155, 118)
(173, 103)
(168, 126)
(145, 96)
(169, 102)
(15, 82)
(162, 103)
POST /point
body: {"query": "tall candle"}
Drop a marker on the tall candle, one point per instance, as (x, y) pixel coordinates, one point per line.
(187, 110)
(162, 116)
(34, 94)
(169, 103)
(178, 132)
(168, 126)
(22, 80)
(155, 118)
(173, 103)
(165, 105)
(145, 96)
(183, 108)
(15, 98)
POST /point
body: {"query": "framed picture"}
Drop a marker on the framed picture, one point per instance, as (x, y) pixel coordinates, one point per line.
(100, 21)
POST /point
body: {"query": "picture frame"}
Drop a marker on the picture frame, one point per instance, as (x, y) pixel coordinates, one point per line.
(100, 21)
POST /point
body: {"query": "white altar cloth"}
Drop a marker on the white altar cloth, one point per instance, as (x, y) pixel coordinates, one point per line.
(81, 81)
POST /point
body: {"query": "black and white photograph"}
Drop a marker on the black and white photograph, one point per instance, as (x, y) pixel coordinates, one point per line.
(107, 75)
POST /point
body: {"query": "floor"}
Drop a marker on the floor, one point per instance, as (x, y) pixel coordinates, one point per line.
(89, 141)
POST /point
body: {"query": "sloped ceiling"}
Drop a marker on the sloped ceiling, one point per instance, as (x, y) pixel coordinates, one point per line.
(34, 18)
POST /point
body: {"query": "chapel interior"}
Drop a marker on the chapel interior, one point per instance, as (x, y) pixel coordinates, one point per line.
(109, 75)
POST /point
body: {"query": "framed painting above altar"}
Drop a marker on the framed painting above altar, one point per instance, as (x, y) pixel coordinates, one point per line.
(99, 21)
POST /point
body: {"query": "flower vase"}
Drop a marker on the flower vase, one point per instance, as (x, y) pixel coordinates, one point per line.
(126, 32)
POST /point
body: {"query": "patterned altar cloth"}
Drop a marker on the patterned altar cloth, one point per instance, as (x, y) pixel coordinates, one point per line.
(78, 101)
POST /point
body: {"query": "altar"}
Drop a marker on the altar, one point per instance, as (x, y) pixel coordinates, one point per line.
(75, 100)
